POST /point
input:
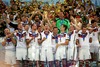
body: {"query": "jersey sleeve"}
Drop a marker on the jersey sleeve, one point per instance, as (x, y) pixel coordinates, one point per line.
(77, 37)
(39, 36)
(15, 33)
(67, 37)
(28, 36)
(90, 35)
(42, 35)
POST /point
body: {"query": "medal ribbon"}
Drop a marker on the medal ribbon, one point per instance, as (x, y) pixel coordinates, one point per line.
(34, 35)
(61, 35)
(8, 40)
(70, 35)
(46, 34)
(83, 36)
(20, 35)
(56, 38)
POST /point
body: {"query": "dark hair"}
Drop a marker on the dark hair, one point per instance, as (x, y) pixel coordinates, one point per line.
(26, 24)
(33, 24)
(40, 17)
(84, 25)
(17, 18)
(93, 21)
(54, 20)
(38, 26)
(64, 26)
(54, 28)
(23, 15)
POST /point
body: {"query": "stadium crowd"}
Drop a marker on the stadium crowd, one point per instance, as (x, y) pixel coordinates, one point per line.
(40, 34)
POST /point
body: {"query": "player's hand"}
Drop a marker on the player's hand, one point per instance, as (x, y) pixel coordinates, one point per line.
(79, 45)
(32, 38)
(57, 46)
(28, 46)
(7, 36)
(16, 31)
(44, 38)
(11, 34)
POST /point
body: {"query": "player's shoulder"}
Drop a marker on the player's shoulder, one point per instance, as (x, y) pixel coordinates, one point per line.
(24, 32)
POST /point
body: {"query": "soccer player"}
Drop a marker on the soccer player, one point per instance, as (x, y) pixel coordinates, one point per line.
(61, 47)
(54, 41)
(38, 47)
(82, 40)
(72, 49)
(95, 42)
(46, 50)
(9, 44)
(21, 47)
(32, 40)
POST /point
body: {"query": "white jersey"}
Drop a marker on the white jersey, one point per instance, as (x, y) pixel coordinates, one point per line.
(72, 36)
(54, 40)
(61, 50)
(48, 41)
(21, 39)
(9, 44)
(62, 38)
(95, 35)
(84, 39)
(36, 36)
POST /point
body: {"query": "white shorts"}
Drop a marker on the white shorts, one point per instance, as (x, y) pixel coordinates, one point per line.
(72, 53)
(21, 53)
(46, 54)
(37, 53)
(84, 54)
(31, 53)
(54, 49)
(10, 57)
(61, 53)
(94, 47)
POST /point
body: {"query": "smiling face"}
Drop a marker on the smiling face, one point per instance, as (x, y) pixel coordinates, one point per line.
(36, 18)
(11, 17)
(53, 23)
(6, 31)
(55, 30)
(20, 26)
(34, 27)
(84, 30)
(94, 24)
(24, 18)
(46, 28)
(26, 27)
(71, 28)
(61, 15)
(63, 27)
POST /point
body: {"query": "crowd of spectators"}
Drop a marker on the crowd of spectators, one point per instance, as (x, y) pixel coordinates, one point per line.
(76, 12)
